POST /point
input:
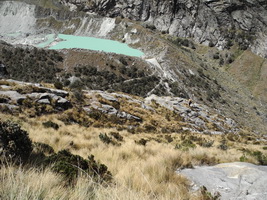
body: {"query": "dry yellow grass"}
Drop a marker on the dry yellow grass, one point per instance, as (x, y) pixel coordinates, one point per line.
(140, 172)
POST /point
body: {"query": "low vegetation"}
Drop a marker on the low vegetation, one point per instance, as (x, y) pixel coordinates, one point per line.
(123, 166)
(35, 65)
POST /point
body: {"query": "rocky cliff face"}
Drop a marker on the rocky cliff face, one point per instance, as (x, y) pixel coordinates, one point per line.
(211, 22)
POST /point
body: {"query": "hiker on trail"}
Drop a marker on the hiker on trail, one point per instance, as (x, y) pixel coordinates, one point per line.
(190, 101)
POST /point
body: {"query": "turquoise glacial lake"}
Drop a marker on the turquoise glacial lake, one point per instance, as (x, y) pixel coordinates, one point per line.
(97, 44)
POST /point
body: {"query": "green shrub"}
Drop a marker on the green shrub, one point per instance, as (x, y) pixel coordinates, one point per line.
(50, 124)
(71, 166)
(15, 144)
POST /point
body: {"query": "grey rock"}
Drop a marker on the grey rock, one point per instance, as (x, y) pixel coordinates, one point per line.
(39, 96)
(234, 181)
(63, 103)
(61, 93)
(230, 122)
(109, 97)
(5, 86)
(14, 96)
(46, 98)
(128, 116)
(110, 110)
(44, 101)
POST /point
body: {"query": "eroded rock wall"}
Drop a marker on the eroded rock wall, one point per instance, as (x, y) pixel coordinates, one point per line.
(211, 22)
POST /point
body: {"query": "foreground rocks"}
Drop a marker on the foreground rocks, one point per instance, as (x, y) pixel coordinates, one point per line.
(239, 181)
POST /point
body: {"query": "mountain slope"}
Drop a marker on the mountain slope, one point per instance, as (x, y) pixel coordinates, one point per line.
(211, 22)
(179, 66)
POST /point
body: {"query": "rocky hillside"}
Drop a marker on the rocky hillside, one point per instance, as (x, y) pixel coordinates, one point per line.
(84, 124)
(209, 22)
(152, 114)
(171, 65)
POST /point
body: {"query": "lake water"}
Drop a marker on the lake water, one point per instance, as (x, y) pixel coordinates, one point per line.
(97, 44)
(48, 40)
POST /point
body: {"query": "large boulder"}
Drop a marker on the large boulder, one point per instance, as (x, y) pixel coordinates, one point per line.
(239, 181)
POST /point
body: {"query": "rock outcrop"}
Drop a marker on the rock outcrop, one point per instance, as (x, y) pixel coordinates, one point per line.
(198, 116)
(232, 180)
(30, 93)
(211, 22)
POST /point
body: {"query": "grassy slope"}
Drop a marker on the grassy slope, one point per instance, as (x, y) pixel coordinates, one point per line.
(139, 171)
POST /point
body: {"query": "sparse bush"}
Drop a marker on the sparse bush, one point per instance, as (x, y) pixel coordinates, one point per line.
(43, 148)
(105, 139)
(185, 42)
(221, 61)
(262, 159)
(149, 128)
(15, 143)
(206, 195)
(168, 138)
(223, 145)
(117, 136)
(211, 44)
(50, 124)
(58, 85)
(185, 145)
(243, 158)
(142, 141)
(77, 84)
(205, 143)
(232, 137)
(216, 56)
